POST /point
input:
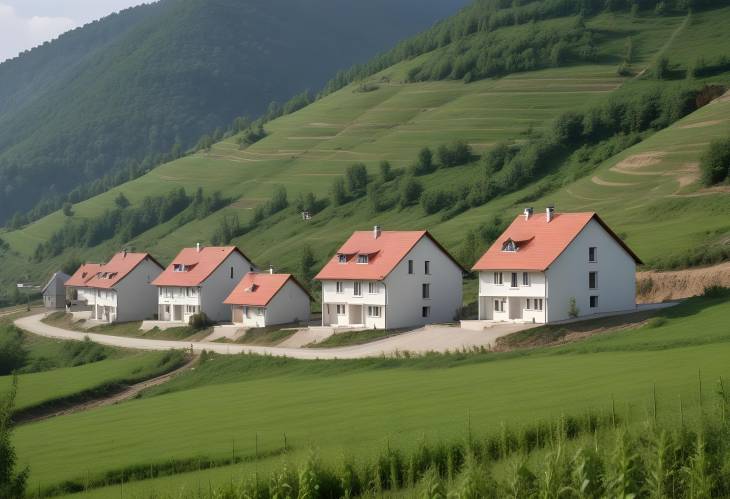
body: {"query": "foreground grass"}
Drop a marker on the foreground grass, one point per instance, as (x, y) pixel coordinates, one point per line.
(251, 402)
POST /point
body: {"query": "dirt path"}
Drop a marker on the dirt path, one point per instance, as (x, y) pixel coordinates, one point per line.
(127, 394)
(673, 285)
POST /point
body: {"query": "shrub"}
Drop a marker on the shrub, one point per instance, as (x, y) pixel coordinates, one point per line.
(386, 171)
(199, 321)
(435, 201)
(13, 354)
(356, 177)
(715, 162)
(644, 286)
(424, 164)
(716, 291)
(455, 154)
(12, 483)
(410, 192)
(338, 191)
(573, 310)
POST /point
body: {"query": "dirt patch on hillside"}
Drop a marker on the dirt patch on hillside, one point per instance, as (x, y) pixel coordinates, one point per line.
(638, 161)
(673, 285)
(702, 124)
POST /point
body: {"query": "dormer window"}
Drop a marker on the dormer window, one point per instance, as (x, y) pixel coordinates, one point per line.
(178, 267)
(363, 258)
(509, 245)
(252, 288)
(341, 258)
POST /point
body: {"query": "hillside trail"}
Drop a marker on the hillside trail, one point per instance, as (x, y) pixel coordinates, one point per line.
(127, 393)
(664, 47)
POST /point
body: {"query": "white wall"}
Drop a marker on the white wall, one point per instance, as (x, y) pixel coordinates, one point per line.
(515, 298)
(87, 295)
(290, 304)
(136, 297)
(404, 292)
(353, 312)
(181, 296)
(219, 285)
(568, 276)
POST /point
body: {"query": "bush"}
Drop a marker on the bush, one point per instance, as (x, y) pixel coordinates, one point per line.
(356, 177)
(716, 291)
(12, 483)
(199, 321)
(573, 310)
(435, 201)
(13, 354)
(410, 192)
(424, 164)
(715, 162)
(454, 154)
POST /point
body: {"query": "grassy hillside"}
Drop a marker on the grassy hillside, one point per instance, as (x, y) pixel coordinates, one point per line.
(250, 402)
(130, 89)
(393, 119)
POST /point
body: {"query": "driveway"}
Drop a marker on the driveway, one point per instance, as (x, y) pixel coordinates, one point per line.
(429, 339)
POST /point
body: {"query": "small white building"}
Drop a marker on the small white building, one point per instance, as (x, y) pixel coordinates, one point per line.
(390, 279)
(78, 288)
(122, 289)
(198, 280)
(54, 292)
(543, 264)
(268, 299)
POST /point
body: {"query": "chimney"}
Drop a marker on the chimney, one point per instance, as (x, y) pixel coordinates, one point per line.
(528, 213)
(124, 253)
(271, 269)
(376, 231)
(197, 247)
(549, 213)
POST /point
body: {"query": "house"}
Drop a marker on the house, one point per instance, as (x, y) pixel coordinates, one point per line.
(390, 279)
(267, 299)
(54, 292)
(556, 266)
(78, 286)
(122, 289)
(198, 280)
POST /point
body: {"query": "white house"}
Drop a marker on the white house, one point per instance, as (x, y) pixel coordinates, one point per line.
(542, 264)
(198, 280)
(54, 292)
(78, 284)
(267, 299)
(122, 289)
(390, 279)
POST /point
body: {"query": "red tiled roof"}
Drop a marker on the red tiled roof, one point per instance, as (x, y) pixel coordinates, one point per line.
(384, 253)
(257, 289)
(116, 269)
(540, 242)
(83, 275)
(200, 265)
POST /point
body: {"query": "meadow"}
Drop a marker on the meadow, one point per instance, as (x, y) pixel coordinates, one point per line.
(248, 405)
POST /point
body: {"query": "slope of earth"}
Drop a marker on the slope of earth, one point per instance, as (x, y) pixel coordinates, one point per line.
(170, 73)
(254, 401)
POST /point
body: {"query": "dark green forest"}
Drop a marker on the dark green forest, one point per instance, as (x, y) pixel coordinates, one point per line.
(118, 96)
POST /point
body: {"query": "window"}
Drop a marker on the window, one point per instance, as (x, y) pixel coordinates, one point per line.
(231, 272)
(425, 311)
(160, 291)
(525, 278)
(191, 309)
(362, 259)
(528, 302)
(592, 280)
(592, 254)
(357, 289)
(593, 301)
(538, 303)
(513, 282)
(410, 266)
(373, 311)
(498, 306)
(427, 267)
(178, 267)
(259, 311)
(426, 291)
(498, 278)
(509, 245)
(340, 310)
(339, 287)
(342, 258)
(373, 288)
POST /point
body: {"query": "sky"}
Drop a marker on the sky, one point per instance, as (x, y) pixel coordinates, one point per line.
(25, 24)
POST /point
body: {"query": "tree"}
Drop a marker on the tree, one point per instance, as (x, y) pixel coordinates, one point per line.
(410, 192)
(12, 483)
(68, 209)
(386, 172)
(70, 265)
(205, 143)
(278, 200)
(375, 197)
(307, 261)
(424, 164)
(339, 193)
(13, 354)
(661, 69)
(470, 249)
(357, 179)
(121, 201)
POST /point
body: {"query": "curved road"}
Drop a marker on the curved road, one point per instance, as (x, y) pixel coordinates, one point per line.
(431, 339)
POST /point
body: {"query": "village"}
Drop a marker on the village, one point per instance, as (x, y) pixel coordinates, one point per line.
(545, 268)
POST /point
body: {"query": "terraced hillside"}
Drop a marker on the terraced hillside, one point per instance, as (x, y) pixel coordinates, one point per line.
(386, 118)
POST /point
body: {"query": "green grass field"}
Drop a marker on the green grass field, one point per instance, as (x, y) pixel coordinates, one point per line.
(304, 151)
(317, 404)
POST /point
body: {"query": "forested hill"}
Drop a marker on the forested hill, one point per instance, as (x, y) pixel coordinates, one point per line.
(119, 93)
